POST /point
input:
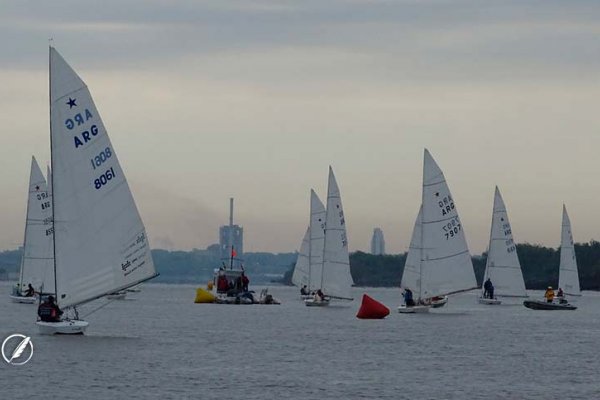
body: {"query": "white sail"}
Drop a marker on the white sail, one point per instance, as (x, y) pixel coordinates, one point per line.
(446, 265)
(503, 267)
(101, 244)
(37, 261)
(317, 240)
(411, 276)
(300, 274)
(568, 276)
(336, 277)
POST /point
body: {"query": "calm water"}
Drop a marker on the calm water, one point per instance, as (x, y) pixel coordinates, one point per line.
(159, 345)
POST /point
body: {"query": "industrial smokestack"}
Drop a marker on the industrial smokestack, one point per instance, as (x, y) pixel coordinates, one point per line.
(231, 211)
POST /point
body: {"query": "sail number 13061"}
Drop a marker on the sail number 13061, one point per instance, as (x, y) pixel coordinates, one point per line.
(104, 178)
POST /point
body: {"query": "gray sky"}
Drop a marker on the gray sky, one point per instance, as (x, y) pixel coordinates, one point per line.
(204, 100)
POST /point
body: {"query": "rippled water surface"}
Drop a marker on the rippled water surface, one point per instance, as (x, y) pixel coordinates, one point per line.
(158, 344)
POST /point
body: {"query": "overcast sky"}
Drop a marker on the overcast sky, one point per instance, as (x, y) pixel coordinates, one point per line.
(204, 100)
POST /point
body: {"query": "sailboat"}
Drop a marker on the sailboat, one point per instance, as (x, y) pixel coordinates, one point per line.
(37, 241)
(307, 271)
(335, 278)
(502, 266)
(100, 243)
(568, 276)
(439, 262)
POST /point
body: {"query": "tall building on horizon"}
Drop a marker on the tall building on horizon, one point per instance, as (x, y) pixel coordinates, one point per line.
(231, 235)
(377, 242)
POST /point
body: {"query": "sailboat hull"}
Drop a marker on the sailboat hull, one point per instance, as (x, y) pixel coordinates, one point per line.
(68, 327)
(489, 301)
(414, 309)
(316, 303)
(23, 299)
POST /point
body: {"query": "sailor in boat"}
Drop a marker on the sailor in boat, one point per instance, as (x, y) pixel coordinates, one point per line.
(30, 291)
(560, 295)
(488, 289)
(408, 298)
(304, 291)
(222, 284)
(319, 296)
(48, 311)
(549, 295)
(245, 281)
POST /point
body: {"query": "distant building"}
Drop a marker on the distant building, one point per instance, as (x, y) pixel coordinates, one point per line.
(377, 242)
(231, 235)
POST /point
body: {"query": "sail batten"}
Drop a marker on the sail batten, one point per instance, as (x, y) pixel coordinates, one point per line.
(101, 245)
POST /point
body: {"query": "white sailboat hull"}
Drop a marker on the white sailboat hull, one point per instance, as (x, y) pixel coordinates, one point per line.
(414, 309)
(316, 303)
(23, 299)
(489, 301)
(68, 327)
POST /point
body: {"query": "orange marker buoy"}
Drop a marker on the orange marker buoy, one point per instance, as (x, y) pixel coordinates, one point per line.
(372, 309)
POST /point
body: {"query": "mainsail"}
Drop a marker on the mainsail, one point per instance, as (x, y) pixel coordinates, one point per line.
(336, 278)
(317, 240)
(101, 245)
(503, 267)
(300, 274)
(568, 277)
(411, 276)
(446, 265)
(37, 257)
(309, 263)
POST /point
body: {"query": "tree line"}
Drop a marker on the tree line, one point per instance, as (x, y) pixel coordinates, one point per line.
(538, 263)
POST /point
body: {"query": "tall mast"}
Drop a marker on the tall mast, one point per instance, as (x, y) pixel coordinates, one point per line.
(25, 236)
(231, 231)
(421, 244)
(52, 169)
(310, 241)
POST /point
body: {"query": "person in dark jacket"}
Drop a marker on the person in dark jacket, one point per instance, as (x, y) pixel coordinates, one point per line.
(30, 291)
(488, 289)
(48, 311)
(245, 282)
(408, 298)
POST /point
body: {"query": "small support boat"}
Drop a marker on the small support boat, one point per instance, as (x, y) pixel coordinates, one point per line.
(544, 305)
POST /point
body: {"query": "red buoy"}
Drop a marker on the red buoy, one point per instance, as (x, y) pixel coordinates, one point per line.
(372, 309)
